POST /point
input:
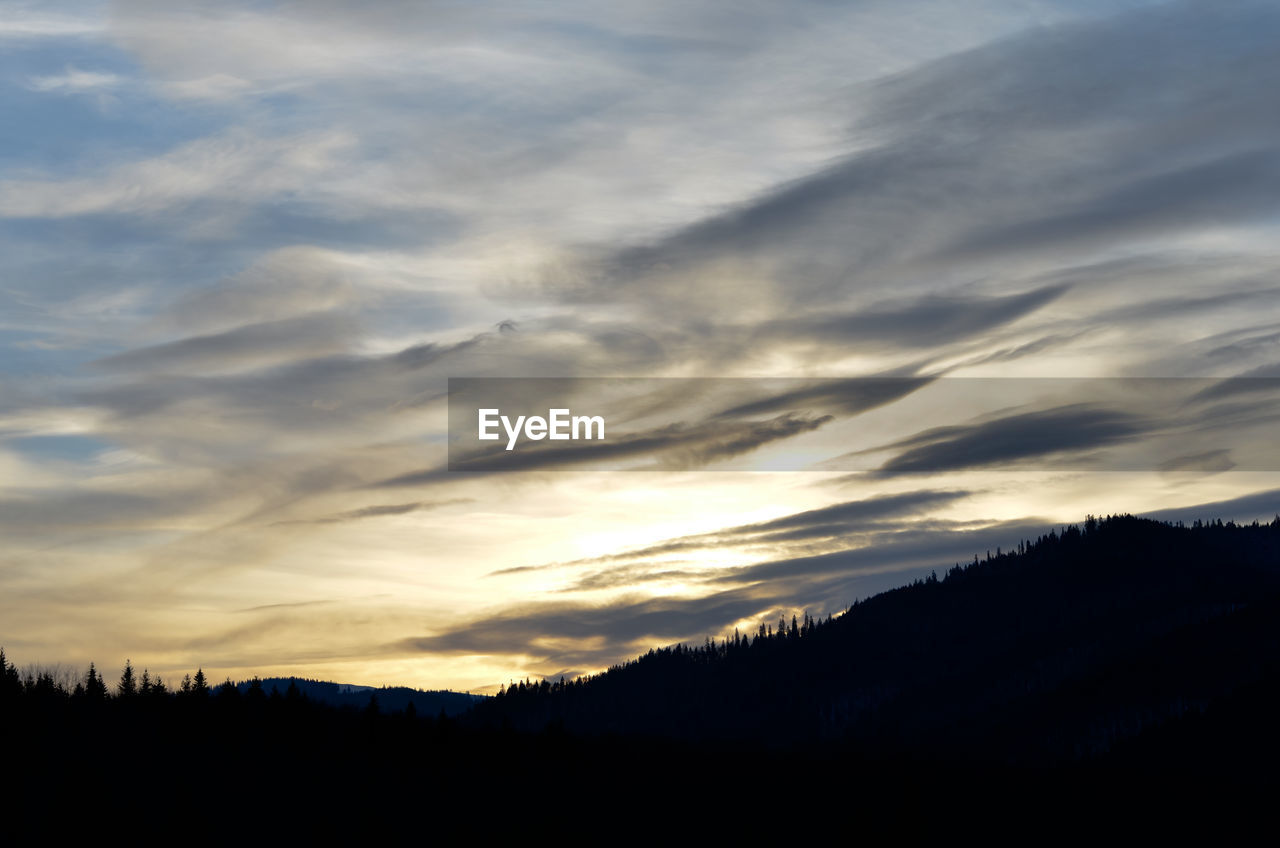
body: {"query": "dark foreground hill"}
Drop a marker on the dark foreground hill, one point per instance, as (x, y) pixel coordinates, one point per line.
(1126, 667)
(1043, 656)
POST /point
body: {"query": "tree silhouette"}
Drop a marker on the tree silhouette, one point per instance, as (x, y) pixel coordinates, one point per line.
(128, 686)
(228, 691)
(95, 688)
(10, 680)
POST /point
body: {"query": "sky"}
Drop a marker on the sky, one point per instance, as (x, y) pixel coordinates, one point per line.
(894, 283)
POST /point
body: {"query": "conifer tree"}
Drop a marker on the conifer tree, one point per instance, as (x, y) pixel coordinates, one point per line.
(10, 681)
(128, 686)
(228, 691)
(95, 687)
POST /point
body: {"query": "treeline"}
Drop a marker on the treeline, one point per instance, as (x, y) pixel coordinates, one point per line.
(176, 762)
(1081, 658)
(42, 684)
(46, 685)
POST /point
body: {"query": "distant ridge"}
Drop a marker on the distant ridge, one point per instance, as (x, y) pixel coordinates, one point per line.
(389, 698)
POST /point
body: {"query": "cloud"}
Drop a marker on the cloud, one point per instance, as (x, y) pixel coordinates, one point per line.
(1264, 380)
(912, 547)
(848, 397)
(995, 155)
(376, 511)
(67, 510)
(22, 23)
(75, 82)
(837, 520)
(1238, 187)
(297, 392)
(850, 512)
(931, 320)
(1209, 461)
(1246, 344)
(1262, 506)
(1013, 438)
(573, 633)
(295, 605)
(250, 345)
(1014, 352)
(636, 576)
(1193, 283)
(231, 168)
(282, 284)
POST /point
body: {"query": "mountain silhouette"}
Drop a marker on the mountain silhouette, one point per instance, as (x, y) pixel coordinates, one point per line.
(1044, 655)
(1124, 665)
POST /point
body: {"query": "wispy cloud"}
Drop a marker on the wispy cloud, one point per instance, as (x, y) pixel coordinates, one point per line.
(75, 81)
(555, 634)
(376, 511)
(252, 345)
(828, 522)
(1028, 435)
(22, 21)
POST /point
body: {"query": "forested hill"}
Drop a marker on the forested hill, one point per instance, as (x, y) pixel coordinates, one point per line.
(1049, 653)
(1138, 659)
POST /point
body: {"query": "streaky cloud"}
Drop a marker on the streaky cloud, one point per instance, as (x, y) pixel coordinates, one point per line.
(849, 397)
(1012, 438)
(248, 345)
(376, 511)
(892, 510)
(930, 320)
